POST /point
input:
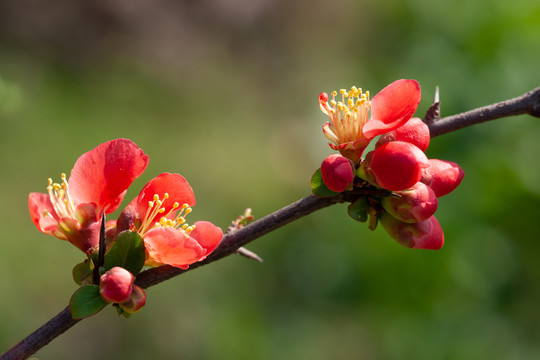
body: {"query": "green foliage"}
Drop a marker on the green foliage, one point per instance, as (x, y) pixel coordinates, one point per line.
(82, 272)
(127, 251)
(85, 302)
(358, 209)
(318, 187)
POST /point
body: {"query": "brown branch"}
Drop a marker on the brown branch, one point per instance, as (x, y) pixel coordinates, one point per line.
(528, 103)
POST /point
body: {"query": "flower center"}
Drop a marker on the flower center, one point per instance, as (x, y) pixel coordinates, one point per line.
(174, 218)
(60, 199)
(347, 116)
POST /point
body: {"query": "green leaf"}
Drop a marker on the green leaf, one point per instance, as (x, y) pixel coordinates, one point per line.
(82, 272)
(358, 209)
(127, 251)
(318, 187)
(85, 302)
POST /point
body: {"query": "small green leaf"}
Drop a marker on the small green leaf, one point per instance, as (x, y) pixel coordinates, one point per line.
(127, 251)
(318, 187)
(85, 302)
(82, 272)
(358, 209)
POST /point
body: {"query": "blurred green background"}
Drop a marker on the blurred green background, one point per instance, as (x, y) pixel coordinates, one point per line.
(225, 93)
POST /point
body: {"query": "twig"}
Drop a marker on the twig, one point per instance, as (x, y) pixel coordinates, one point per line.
(528, 103)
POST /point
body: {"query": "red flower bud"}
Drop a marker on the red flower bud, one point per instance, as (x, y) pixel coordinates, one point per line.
(413, 205)
(426, 234)
(414, 131)
(442, 176)
(397, 165)
(116, 285)
(135, 302)
(337, 172)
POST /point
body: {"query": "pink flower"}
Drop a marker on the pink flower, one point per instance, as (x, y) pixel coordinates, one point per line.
(350, 130)
(337, 172)
(116, 285)
(98, 183)
(158, 215)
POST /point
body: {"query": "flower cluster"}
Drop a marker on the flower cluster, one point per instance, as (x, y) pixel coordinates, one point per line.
(397, 164)
(152, 228)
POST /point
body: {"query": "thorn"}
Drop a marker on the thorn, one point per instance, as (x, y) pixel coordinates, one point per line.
(249, 254)
(434, 111)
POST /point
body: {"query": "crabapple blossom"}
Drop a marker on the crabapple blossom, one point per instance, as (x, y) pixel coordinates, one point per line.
(159, 213)
(99, 180)
(351, 128)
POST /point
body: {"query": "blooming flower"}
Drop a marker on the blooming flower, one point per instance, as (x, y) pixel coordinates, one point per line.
(159, 213)
(99, 180)
(350, 130)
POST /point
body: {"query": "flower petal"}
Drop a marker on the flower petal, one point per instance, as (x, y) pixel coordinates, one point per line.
(37, 204)
(173, 184)
(173, 247)
(392, 106)
(207, 235)
(102, 175)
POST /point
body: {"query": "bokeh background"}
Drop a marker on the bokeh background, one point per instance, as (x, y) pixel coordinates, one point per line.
(225, 93)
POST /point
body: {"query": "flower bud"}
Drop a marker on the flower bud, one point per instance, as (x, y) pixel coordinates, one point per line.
(442, 176)
(414, 131)
(337, 172)
(426, 234)
(116, 285)
(395, 166)
(413, 205)
(135, 302)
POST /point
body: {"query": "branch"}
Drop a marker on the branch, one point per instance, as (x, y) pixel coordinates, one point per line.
(528, 103)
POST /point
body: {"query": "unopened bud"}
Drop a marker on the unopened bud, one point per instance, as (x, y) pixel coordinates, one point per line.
(442, 176)
(136, 301)
(413, 205)
(395, 166)
(116, 285)
(426, 234)
(337, 172)
(414, 131)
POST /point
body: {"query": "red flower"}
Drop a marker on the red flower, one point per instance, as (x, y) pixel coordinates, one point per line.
(98, 182)
(158, 215)
(350, 130)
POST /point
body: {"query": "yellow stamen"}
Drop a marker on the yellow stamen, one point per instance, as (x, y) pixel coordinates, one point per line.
(174, 218)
